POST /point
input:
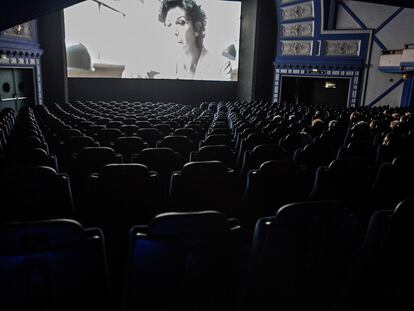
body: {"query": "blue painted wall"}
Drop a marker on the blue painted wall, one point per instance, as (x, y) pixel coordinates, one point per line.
(20, 48)
(393, 27)
(305, 48)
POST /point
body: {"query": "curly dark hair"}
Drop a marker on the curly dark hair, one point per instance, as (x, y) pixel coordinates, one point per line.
(193, 11)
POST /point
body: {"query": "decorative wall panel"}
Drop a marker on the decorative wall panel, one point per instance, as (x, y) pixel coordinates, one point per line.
(305, 48)
(297, 29)
(298, 11)
(302, 48)
(22, 31)
(341, 48)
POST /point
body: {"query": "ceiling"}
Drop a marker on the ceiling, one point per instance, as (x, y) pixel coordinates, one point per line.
(16, 12)
(399, 3)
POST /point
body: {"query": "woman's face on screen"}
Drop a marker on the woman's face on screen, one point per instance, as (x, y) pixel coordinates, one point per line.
(181, 27)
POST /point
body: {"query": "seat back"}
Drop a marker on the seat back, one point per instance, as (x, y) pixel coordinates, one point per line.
(107, 137)
(203, 186)
(260, 154)
(221, 153)
(182, 261)
(52, 265)
(31, 157)
(35, 193)
(124, 195)
(181, 144)
(127, 146)
(150, 135)
(301, 257)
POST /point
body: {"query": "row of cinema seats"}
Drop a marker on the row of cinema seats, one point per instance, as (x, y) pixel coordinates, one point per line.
(282, 180)
(310, 162)
(308, 256)
(242, 148)
(114, 202)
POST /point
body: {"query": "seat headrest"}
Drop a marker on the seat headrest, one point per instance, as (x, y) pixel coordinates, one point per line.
(37, 153)
(148, 130)
(176, 138)
(117, 171)
(313, 211)
(215, 148)
(211, 168)
(28, 173)
(149, 153)
(191, 225)
(277, 165)
(269, 150)
(404, 161)
(81, 139)
(39, 235)
(91, 152)
(129, 140)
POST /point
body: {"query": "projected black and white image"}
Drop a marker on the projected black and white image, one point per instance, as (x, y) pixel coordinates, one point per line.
(154, 39)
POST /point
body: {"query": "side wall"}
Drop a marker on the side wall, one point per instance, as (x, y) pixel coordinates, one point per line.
(393, 27)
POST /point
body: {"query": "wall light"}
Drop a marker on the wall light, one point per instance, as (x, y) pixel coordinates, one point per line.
(330, 85)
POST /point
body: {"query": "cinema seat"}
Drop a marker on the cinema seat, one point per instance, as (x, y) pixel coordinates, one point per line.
(314, 155)
(181, 144)
(93, 130)
(221, 153)
(266, 152)
(249, 143)
(92, 159)
(30, 157)
(346, 181)
(107, 136)
(268, 188)
(202, 186)
(89, 160)
(150, 135)
(52, 265)
(217, 139)
(75, 143)
(129, 130)
(392, 184)
(300, 257)
(219, 130)
(127, 146)
(65, 134)
(129, 121)
(26, 142)
(190, 133)
(124, 194)
(181, 261)
(382, 268)
(164, 161)
(34, 193)
(165, 129)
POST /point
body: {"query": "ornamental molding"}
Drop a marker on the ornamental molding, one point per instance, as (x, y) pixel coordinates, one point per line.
(296, 48)
(301, 10)
(286, 1)
(21, 31)
(16, 52)
(297, 30)
(341, 48)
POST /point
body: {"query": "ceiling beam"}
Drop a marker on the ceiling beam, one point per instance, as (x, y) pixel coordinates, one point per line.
(397, 3)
